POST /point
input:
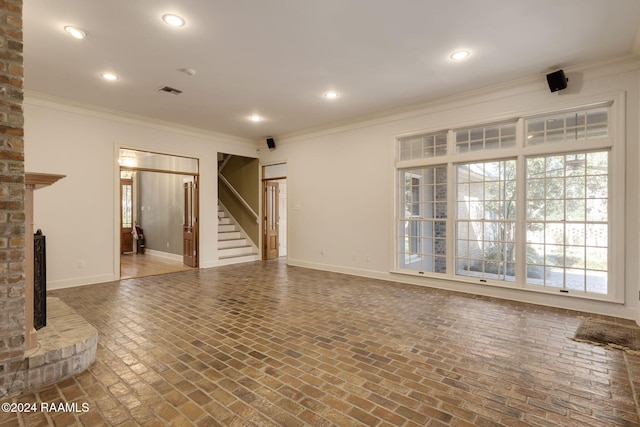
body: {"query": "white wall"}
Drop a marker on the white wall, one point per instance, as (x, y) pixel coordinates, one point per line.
(340, 180)
(79, 214)
(161, 212)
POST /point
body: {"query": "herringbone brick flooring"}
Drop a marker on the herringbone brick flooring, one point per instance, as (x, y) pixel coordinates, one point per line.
(263, 344)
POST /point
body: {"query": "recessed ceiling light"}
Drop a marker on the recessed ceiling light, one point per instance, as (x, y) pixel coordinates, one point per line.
(173, 20)
(255, 118)
(459, 55)
(331, 95)
(76, 32)
(109, 76)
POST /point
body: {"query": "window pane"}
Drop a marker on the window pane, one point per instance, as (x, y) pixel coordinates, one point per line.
(489, 137)
(535, 232)
(536, 188)
(596, 281)
(127, 205)
(572, 126)
(576, 187)
(422, 146)
(597, 186)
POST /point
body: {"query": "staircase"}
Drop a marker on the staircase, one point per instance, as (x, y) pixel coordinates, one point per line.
(233, 245)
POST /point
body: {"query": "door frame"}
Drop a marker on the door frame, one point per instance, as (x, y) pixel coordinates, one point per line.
(191, 208)
(266, 183)
(262, 204)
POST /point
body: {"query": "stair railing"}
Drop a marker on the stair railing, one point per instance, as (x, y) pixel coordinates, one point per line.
(234, 191)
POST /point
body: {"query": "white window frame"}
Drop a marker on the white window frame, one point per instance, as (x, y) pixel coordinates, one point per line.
(418, 220)
(615, 143)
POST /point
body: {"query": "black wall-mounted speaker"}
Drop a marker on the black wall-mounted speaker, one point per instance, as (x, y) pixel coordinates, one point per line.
(557, 81)
(271, 143)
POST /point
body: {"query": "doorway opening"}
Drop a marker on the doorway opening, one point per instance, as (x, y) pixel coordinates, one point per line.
(274, 209)
(158, 213)
(238, 209)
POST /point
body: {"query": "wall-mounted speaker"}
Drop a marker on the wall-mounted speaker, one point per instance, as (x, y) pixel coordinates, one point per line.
(557, 81)
(271, 143)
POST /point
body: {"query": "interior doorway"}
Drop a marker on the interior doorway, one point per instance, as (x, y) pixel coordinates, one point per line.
(271, 219)
(274, 200)
(159, 208)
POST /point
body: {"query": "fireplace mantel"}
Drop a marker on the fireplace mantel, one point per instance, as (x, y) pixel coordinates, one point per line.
(33, 181)
(39, 180)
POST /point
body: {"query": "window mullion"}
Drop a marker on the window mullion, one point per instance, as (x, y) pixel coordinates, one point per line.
(451, 206)
(521, 222)
(451, 209)
(521, 209)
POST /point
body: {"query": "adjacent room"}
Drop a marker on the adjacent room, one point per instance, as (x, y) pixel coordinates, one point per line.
(345, 213)
(157, 199)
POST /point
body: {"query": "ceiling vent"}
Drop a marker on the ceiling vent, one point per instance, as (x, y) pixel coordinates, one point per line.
(170, 90)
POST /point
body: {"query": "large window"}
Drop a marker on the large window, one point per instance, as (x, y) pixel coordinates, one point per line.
(525, 203)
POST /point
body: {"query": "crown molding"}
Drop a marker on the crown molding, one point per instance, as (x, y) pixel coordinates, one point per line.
(90, 110)
(531, 84)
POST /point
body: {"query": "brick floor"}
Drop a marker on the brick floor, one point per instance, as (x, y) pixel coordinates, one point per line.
(263, 344)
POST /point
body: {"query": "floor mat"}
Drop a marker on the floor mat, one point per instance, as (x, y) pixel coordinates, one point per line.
(609, 334)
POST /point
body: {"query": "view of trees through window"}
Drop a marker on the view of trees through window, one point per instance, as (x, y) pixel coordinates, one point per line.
(567, 215)
(538, 218)
(485, 219)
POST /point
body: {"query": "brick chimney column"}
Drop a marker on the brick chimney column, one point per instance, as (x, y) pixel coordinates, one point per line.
(12, 193)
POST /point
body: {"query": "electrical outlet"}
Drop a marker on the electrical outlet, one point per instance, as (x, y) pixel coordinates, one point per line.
(167, 244)
(80, 263)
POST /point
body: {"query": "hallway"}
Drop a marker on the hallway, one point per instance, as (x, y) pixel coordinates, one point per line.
(269, 345)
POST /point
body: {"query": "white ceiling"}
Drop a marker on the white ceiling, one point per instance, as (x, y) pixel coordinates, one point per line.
(276, 58)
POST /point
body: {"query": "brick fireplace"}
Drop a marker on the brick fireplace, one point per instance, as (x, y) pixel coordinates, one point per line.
(67, 345)
(12, 208)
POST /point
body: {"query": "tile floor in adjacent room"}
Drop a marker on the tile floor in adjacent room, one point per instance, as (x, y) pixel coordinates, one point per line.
(263, 344)
(142, 265)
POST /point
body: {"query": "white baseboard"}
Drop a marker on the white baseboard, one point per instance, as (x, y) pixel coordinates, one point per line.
(79, 281)
(160, 254)
(606, 308)
(229, 261)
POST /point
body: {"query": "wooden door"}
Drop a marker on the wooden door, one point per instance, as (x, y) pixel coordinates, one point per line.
(271, 220)
(190, 225)
(126, 215)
